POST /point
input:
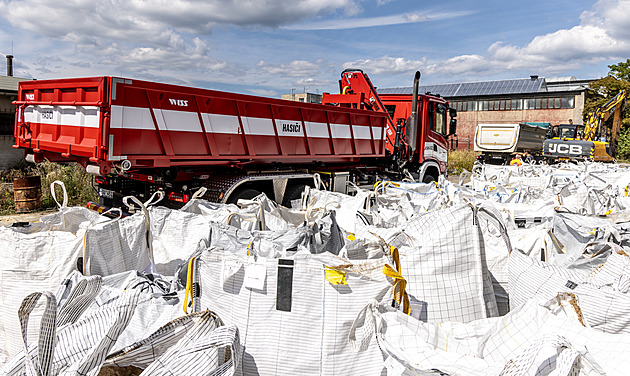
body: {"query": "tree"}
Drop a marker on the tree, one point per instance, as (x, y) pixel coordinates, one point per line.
(621, 70)
(602, 90)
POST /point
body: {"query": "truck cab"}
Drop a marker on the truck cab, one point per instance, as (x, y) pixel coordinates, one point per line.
(431, 145)
(418, 127)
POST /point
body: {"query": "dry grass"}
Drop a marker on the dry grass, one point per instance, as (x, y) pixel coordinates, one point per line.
(79, 184)
(460, 160)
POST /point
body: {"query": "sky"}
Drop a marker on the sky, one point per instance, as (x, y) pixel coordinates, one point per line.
(274, 47)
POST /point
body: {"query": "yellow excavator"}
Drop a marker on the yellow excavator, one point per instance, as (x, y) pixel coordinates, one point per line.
(595, 140)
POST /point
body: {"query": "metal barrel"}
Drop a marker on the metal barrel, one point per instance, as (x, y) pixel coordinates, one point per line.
(27, 193)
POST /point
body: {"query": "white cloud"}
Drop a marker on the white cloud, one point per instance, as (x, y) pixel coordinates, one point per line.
(146, 20)
(312, 82)
(296, 68)
(603, 34)
(397, 19)
(386, 65)
(155, 37)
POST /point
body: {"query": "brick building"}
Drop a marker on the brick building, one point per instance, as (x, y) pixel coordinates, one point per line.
(535, 99)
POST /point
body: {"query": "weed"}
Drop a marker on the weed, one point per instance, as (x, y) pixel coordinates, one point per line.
(460, 160)
(79, 184)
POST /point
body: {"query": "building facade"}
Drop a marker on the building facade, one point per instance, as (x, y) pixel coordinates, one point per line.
(303, 97)
(8, 93)
(556, 100)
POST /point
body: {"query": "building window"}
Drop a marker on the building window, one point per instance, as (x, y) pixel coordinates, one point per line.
(567, 102)
(514, 104)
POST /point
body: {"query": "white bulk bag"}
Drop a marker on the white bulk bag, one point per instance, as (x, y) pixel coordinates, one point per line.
(37, 257)
(175, 236)
(202, 351)
(603, 294)
(117, 246)
(545, 339)
(442, 257)
(78, 347)
(292, 319)
(194, 344)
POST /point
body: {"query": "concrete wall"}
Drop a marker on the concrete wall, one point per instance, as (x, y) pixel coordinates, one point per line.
(9, 157)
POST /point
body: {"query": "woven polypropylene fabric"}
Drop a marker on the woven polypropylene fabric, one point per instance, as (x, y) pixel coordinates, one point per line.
(311, 336)
(116, 246)
(533, 339)
(79, 347)
(37, 261)
(604, 304)
(204, 350)
(442, 258)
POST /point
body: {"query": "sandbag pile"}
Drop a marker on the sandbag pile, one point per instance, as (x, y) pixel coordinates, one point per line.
(516, 270)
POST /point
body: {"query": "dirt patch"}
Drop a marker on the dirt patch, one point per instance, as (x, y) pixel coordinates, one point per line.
(8, 220)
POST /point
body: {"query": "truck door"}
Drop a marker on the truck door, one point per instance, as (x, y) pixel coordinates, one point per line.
(435, 143)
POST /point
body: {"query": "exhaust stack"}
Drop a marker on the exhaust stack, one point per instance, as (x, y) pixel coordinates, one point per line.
(10, 65)
(412, 127)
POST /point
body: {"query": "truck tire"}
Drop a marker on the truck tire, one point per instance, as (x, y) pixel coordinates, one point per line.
(293, 192)
(428, 178)
(245, 194)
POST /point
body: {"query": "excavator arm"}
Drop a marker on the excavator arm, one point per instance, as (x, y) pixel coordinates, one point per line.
(595, 119)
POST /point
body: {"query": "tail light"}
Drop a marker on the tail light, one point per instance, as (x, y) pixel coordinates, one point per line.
(178, 197)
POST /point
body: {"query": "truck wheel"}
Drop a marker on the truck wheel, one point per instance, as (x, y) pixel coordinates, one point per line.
(245, 194)
(428, 178)
(293, 192)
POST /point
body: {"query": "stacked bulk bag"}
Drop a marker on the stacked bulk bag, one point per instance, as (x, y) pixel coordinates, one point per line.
(117, 245)
(350, 210)
(536, 339)
(603, 293)
(443, 259)
(74, 346)
(293, 311)
(37, 257)
(121, 320)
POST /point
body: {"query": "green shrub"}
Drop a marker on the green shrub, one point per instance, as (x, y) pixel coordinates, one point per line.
(79, 184)
(623, 144)
(460, 160)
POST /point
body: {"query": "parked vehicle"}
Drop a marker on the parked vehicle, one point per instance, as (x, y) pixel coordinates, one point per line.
(596, 139)
(497, 143)
(139, 137)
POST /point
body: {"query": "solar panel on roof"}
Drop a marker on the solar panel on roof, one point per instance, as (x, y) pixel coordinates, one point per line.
(468, 89)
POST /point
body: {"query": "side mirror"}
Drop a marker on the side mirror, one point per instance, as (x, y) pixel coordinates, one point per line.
(452, 129)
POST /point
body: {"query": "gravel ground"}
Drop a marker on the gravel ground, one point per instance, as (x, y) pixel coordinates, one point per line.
(8, 220)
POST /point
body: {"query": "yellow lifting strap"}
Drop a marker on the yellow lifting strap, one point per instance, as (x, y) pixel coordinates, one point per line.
(189, 283)
(400, 283)
(400, 295)
(381, 184)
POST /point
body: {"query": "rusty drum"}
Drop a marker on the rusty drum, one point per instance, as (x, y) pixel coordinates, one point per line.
(27, 193)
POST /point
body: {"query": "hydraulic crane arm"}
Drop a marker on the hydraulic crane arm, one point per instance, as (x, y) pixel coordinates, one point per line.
(357, 91)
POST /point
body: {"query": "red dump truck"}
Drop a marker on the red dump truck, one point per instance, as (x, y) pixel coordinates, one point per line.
(139, 137)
